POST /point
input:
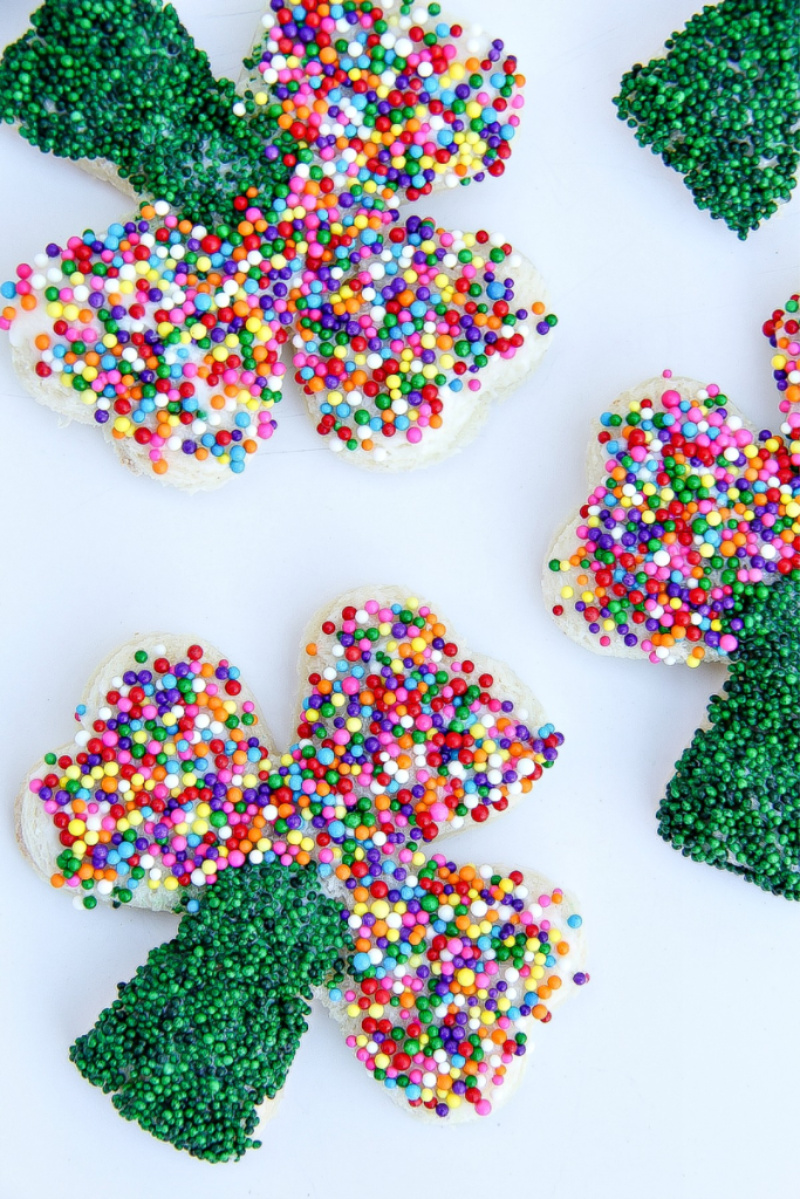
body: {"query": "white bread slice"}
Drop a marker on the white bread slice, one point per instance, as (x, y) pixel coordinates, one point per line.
(465, 412)
(37, 836)
(473, 42)
(104, 170)
(567, 541)
(574, 963)
(184, 472)
(527, 707)
(99, 168)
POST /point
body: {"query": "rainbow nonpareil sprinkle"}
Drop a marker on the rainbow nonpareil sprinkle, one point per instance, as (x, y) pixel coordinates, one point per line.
(171, 335)
(693, 511)
(395, 96)
(400, 739)
(166, 330)
(783, 332)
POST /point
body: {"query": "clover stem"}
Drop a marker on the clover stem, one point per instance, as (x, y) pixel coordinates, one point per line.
(734, 800)
(722, 108)
(207, 1029)
(122, 81)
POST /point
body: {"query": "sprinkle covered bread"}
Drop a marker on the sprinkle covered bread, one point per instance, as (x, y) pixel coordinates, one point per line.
(170, 797)
(688, 550)
(269, 235)
(722, 107)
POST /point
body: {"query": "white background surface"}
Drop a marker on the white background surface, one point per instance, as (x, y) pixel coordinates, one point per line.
(673, 1075)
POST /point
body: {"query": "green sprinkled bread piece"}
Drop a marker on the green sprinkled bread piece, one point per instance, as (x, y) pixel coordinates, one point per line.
(722, 108)
(207, 1029)
(120, 83)
(734, 801)
(373, 922)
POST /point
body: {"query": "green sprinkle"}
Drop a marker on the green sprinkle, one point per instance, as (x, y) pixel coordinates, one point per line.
(734, 801)
(723, 108)
(122, 80)
(207, 1029)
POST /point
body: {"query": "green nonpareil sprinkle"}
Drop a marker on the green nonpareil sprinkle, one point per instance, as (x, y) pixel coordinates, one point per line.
(734, 801)
(207, 1029)
(723, 107)
(122, 80)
